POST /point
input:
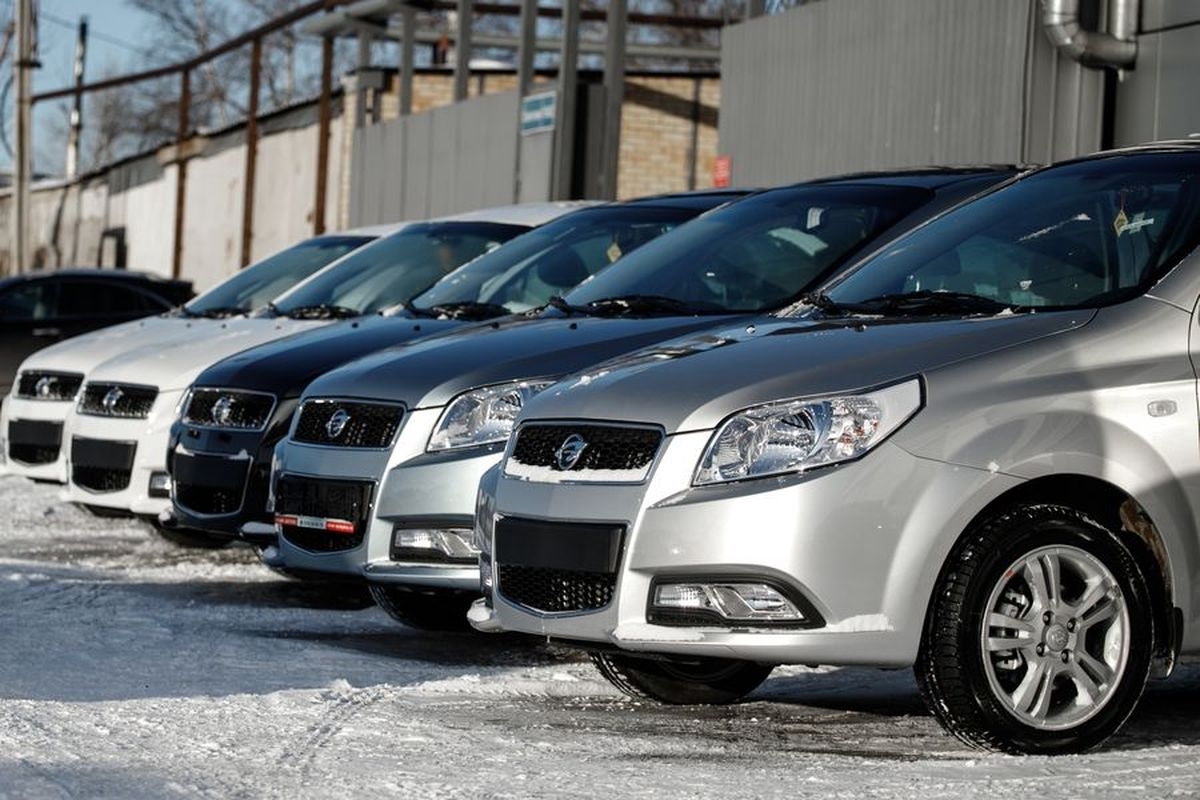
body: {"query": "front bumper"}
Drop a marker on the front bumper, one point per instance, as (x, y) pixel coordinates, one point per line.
(105, 438)
(861, 544)
(37, 462)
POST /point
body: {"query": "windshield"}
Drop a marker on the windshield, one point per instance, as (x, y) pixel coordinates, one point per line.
(262, 282)
(755, 254)
(1074, 236)
(395, 268)
(554, 258)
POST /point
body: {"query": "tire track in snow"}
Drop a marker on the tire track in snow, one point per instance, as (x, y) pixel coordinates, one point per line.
(334, 718)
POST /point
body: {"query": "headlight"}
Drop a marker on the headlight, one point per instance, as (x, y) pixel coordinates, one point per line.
(482, 416)
(795, 435)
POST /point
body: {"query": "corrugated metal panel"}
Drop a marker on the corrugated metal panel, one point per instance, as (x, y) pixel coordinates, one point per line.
(846, 85)
(1157, 100)
(453, 158)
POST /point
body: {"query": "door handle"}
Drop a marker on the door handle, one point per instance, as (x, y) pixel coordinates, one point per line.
(47, 331)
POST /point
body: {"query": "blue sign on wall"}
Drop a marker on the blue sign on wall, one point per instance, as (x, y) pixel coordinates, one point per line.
(537, 112)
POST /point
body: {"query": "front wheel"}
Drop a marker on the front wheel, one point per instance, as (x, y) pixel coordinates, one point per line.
(1040, 634)
(428, 611)
(696, 681)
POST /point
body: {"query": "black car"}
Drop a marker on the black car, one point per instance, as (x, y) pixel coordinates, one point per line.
(42, 308)
(244, 404)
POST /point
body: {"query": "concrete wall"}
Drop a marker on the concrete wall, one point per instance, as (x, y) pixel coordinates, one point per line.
(68, 220)
(849, 85)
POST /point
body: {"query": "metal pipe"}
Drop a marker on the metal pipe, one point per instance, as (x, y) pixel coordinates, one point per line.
(323, 124)
(76, 123)
(568, 91)
(462, 49)
(251, 151)
(407, 59)
(1117, 48)
(185, 124)
(614, 97)
(23, 65)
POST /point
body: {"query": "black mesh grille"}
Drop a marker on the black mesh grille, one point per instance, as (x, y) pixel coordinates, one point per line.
(117, 400)
(552, 590)
(361, 424)
(48, 385)
(608, 446)
(342, 500)
(217, 408)
(207, 499)
(34, 441)
(32, 453)
(100, 479)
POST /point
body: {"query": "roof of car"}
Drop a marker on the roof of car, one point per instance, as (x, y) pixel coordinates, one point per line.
(530, 214)
(91, 272)
(929, 177)
(374, 231)
(700, 198)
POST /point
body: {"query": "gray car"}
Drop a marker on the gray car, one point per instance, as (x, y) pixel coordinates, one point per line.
(378, 474)
(976, 455)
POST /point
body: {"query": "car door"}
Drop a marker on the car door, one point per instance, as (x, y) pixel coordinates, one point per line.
(28, 313)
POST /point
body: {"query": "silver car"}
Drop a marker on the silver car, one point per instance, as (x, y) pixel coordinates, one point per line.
(976, 455)
(394, 501)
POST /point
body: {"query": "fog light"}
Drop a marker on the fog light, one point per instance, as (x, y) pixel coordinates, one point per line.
(735, 602)
(433, 544)
(160, 484)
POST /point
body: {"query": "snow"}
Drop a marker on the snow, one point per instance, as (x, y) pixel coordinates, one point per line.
(530, 472)
(136, 669)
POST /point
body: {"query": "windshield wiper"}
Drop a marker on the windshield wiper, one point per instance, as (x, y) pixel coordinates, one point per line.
(927, 301)
(220, 312)
(652, 304)
(321, 311)
(469, 310)
(407, 305)
(823, 302)
(562, 305)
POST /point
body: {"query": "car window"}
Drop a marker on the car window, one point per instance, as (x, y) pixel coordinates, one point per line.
(87, 298)
(262, 282)
(35, 300)
(760, 252)
(1078, 235)
(393, 269)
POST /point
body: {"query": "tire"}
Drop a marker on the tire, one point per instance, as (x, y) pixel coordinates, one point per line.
(1081, 624)
(679, 682)
(427, 611)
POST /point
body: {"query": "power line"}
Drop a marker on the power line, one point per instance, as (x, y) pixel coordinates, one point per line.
(66, 23)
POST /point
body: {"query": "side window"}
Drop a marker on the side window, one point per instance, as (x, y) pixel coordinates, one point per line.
(97, 298)
(30, 301)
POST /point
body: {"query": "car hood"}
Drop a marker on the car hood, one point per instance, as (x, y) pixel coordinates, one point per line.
(695, 382)
(174, 364)
(430, 372)
(285, 366)
(82, 353)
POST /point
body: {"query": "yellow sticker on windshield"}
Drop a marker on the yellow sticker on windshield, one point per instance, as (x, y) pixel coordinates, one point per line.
(1121, 222)
(613, 251)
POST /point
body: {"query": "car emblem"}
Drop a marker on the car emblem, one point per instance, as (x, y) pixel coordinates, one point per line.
(337, 423)
(44, 386)
(111, 399)
(569, 452)
(222, 410)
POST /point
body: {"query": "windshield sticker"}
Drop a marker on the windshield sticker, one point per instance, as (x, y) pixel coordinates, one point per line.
(613, 252)
(1138, 222)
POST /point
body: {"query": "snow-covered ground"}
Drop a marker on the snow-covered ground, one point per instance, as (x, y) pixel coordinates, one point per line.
(132, 668)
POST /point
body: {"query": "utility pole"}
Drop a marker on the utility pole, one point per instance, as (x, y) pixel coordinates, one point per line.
(73, 134)
(23, 64)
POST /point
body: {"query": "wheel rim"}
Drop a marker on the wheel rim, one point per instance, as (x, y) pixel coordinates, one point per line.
(1055, 637)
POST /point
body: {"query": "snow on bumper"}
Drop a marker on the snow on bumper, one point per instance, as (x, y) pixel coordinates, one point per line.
(861, 544)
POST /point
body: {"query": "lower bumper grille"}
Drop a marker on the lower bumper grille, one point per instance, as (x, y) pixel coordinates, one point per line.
(206, 484)
(556, 590)
(34, 441)
(101, 466)
(313, 504)
(207, 499)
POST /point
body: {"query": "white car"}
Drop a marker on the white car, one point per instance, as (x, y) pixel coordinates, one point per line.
(119, 431)
(46, 385)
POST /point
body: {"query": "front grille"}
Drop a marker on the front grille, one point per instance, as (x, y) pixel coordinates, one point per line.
(321, 499)
(101, 466)
(41, 385)
(620, 452)
(117, 400)
(337, 423)
(555, 590)
(100, 479)
(207, 499)
(34, 441)
(220, 408)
